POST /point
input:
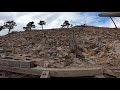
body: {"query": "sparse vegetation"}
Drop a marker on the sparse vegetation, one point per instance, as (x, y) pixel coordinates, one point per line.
(42, 23)
(8, 25)
(1, 27)
(29, 26)
(66, 23)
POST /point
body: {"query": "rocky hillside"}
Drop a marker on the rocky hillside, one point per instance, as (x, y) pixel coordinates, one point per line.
(65, 47)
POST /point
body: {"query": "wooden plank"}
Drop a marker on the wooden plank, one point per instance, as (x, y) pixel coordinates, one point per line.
(56, 72)
(26, 64)
(45, 74)
(16, 63)
(21, 70)
(4, 62)
(76, 72)
(13, 63)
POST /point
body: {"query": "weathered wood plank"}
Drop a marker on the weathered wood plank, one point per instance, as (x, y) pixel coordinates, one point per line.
(13, 63)
(56, 72)
(16, 63)
(26, 64)
(76, 72)
(21, 70)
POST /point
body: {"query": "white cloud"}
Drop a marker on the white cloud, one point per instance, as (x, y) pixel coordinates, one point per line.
(53, 19)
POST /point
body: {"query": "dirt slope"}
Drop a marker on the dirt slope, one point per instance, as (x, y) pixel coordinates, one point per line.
(78, 46)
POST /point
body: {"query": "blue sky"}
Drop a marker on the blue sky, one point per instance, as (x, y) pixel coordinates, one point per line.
(55, 19)
(101, 19)
(98, 20)
(95, 14)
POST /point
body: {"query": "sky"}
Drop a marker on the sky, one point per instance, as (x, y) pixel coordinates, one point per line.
(55, 19)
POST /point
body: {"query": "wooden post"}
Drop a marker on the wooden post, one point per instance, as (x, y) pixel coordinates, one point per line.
(45, 74)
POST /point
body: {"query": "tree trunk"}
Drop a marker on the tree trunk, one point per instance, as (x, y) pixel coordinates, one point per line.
(9, 31)
(30, 28)
(73, 45)
(67, 26)
(42, 27)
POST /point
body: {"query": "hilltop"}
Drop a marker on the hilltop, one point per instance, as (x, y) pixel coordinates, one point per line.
(78, 46)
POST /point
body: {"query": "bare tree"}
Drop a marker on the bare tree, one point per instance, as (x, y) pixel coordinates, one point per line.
(42, 23)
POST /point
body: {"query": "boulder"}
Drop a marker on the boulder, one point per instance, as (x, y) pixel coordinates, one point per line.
(91, 61)
(60, 56)
(76, 60)
(59, 48)
(46, 64)
(2, 50)
(65, 54)
(58, 65)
